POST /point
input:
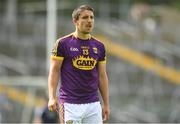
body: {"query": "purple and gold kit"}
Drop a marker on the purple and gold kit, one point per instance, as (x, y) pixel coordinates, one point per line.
(79, 70)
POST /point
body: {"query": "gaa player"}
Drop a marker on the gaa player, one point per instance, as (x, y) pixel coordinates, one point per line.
(79, 61)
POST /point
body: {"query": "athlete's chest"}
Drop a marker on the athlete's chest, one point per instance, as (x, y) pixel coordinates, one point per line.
(83, 55)
(82, 49)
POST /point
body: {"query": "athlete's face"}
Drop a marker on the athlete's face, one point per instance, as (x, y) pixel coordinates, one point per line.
(85, 22)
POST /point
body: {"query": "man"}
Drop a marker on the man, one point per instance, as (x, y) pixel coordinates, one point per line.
(79, 60)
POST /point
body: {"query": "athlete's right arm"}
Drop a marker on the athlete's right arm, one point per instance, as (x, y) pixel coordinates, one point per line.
(55, 66)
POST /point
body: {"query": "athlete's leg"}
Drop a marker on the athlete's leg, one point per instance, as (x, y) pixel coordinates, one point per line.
(71, 113)
(94, 114)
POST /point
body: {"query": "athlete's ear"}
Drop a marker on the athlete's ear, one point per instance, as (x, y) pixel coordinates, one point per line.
(74, 21)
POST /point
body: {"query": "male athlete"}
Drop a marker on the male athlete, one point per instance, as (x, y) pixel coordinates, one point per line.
(79, 60)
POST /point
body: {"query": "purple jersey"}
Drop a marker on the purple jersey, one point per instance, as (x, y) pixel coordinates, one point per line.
(79, 70)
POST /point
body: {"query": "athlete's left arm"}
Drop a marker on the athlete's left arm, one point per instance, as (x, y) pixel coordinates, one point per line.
(104, 89)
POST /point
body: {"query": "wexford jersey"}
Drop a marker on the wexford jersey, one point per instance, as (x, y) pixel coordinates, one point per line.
(79, 70)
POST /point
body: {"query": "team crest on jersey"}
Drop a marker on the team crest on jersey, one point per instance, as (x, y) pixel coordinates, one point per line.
(95, 50)
(84, 63)
(69, 122)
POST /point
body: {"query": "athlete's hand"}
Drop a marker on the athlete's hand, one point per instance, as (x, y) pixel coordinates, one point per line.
(53, 105)
(105, 112)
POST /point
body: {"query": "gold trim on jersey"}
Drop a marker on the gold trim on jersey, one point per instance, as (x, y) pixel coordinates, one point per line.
(103, 62)
(61, 112)
(59, 39)
(97, 39)
(55, 48)
(57, 57)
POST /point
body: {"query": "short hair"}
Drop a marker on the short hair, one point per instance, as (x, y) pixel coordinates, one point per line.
(78, 10)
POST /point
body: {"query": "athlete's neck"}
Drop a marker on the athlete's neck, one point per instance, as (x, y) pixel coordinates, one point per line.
(82, 36)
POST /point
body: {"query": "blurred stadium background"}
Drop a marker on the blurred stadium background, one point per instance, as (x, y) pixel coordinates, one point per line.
(143, 51)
